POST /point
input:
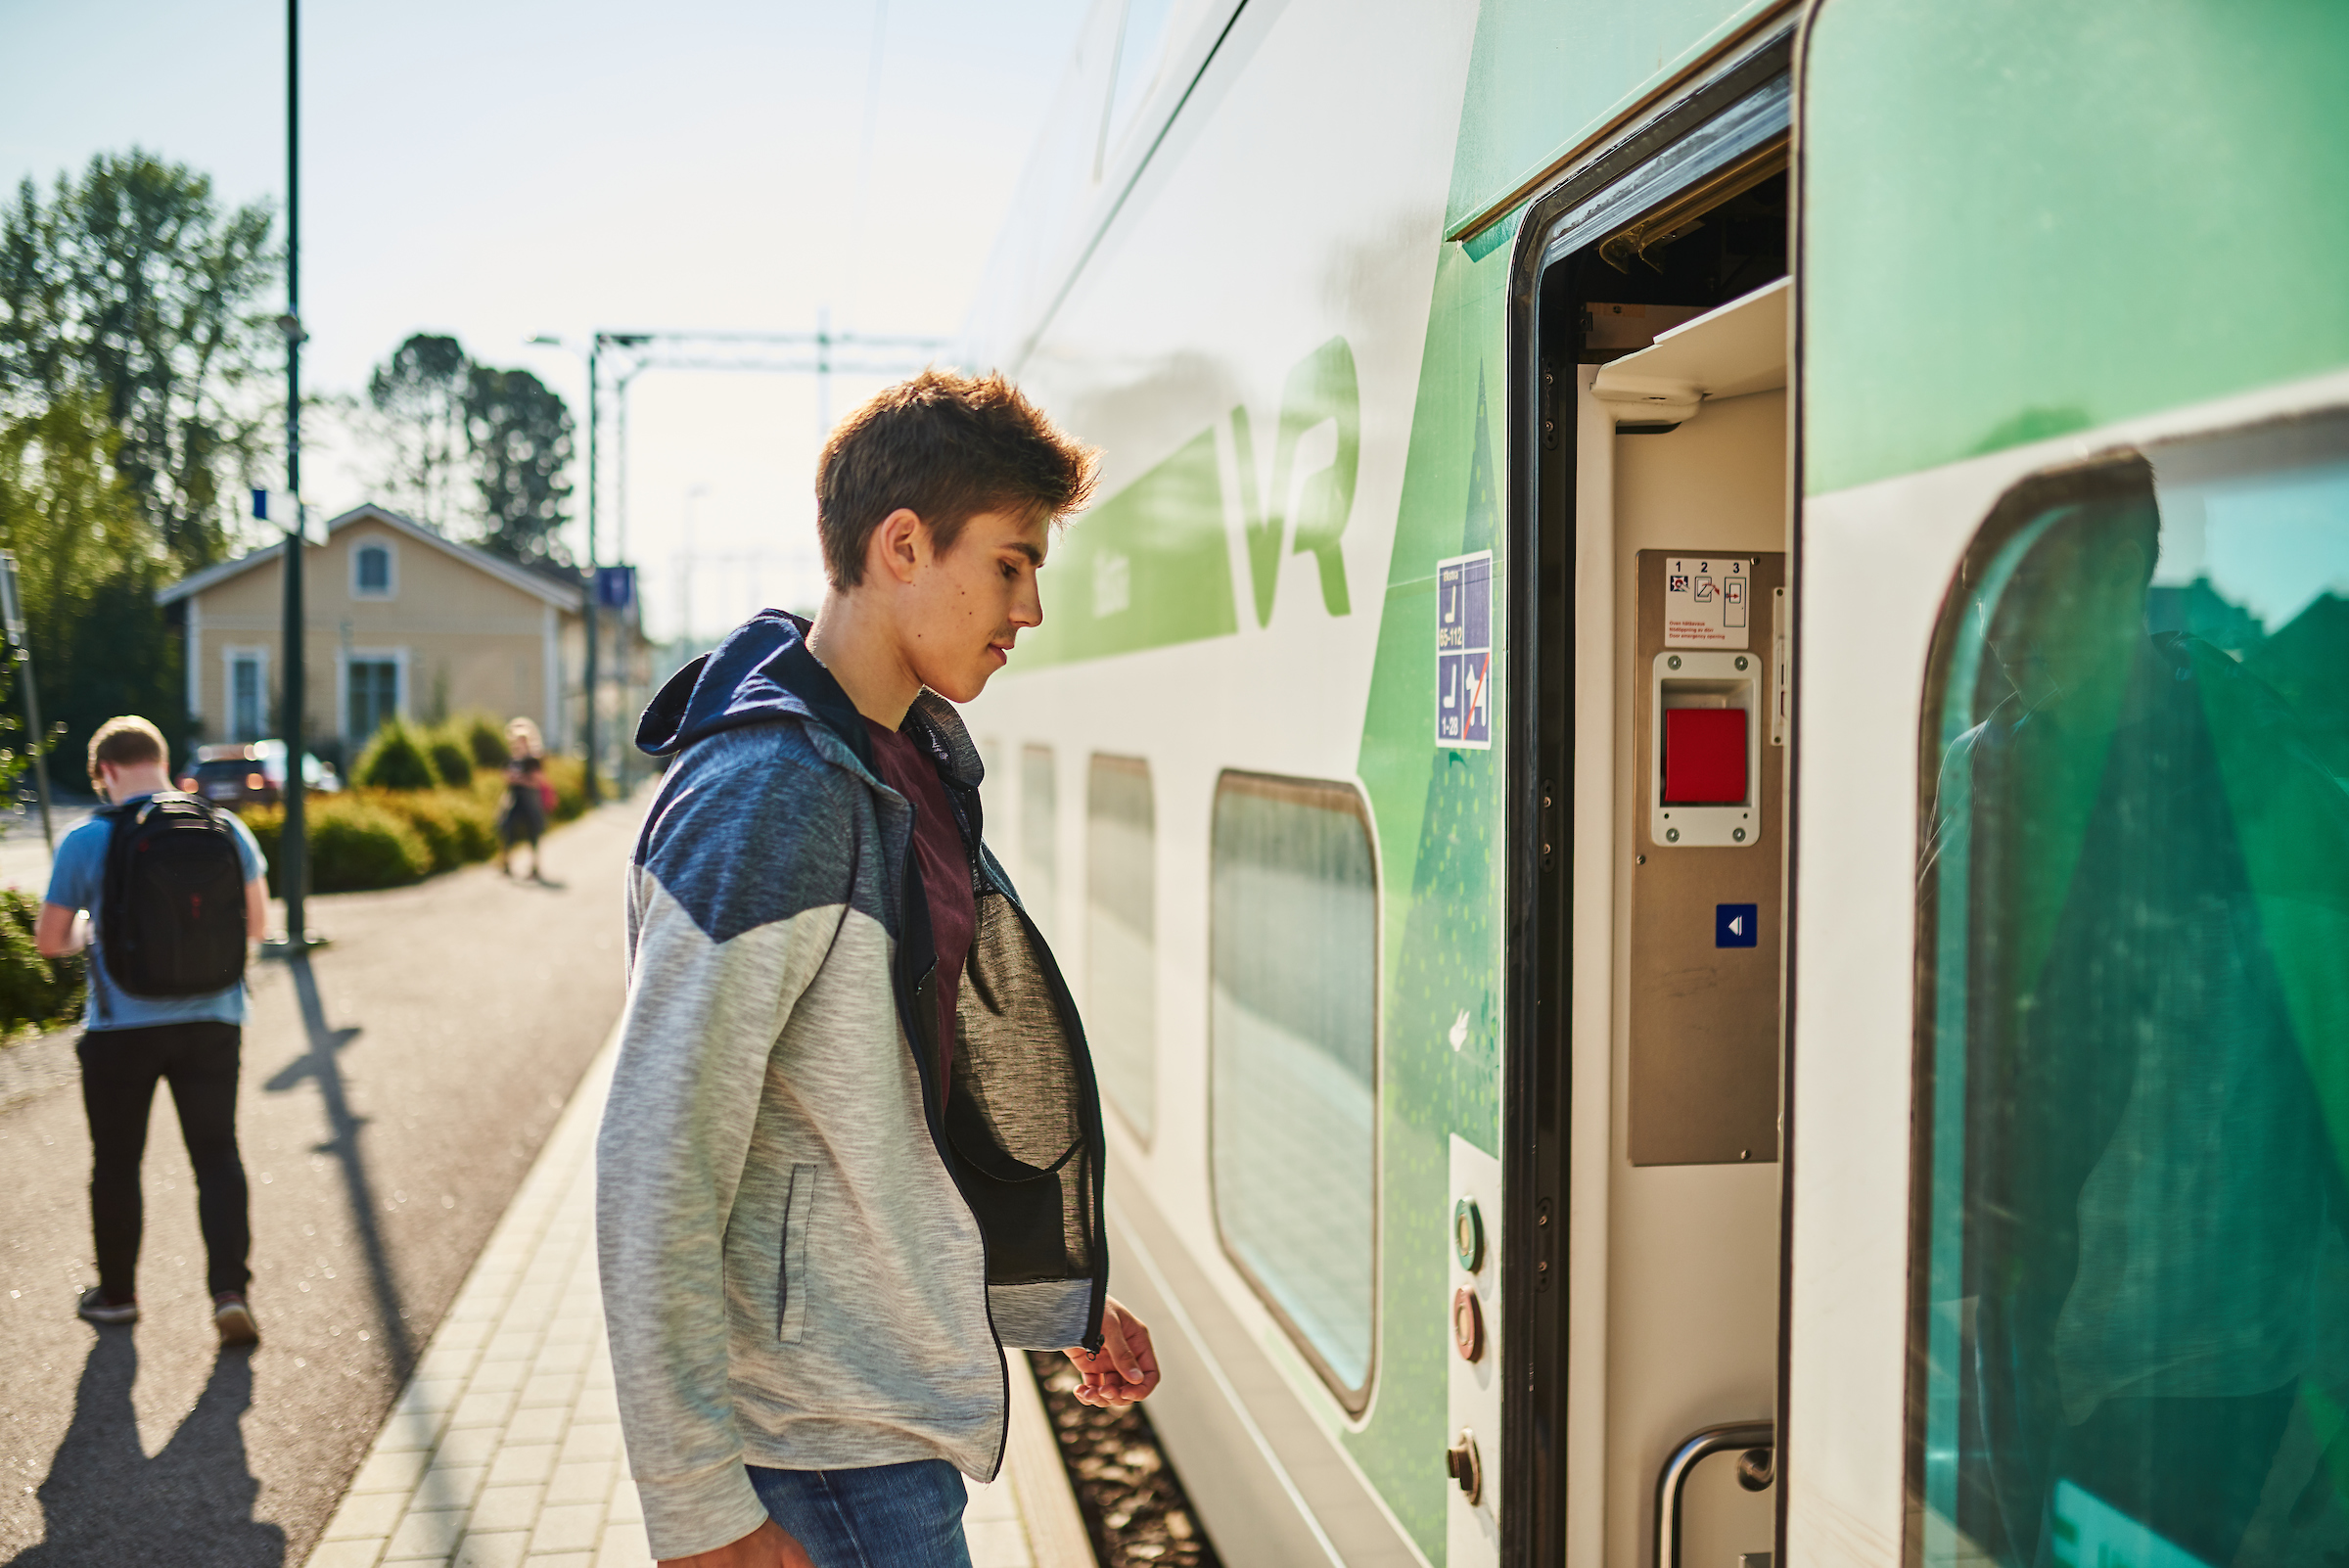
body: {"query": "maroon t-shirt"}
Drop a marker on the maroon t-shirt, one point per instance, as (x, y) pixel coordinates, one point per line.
(905, 766)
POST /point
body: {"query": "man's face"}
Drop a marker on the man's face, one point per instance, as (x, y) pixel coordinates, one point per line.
(962, 609)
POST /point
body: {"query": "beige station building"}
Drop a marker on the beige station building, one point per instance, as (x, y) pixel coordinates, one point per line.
(401, 621)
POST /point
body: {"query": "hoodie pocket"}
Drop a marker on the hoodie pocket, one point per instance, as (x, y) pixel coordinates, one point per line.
(792, 1290)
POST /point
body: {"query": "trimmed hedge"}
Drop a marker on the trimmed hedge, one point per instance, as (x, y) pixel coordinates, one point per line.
(482, 737)
(452, 823)
(451, 761)
(380, 838)
(357, 842)
(366, 845)
(396, 759)
(36, 993)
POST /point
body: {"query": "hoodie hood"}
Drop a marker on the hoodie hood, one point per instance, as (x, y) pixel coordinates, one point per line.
(762, 672)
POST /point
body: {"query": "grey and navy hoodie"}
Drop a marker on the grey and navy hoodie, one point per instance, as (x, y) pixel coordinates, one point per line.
(812, 1252)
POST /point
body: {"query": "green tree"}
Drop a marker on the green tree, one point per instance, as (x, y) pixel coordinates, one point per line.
(520, 433)
(89, 567)
(134, 289)
(419, 396)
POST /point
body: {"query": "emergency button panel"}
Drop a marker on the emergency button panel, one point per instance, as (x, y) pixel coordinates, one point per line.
(1705, 859)
(1702, 747)
(1704, 756)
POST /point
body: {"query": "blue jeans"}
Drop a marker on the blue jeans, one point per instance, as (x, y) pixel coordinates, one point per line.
(887, 1516)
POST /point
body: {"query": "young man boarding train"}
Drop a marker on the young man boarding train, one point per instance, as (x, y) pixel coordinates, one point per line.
(852, 1152)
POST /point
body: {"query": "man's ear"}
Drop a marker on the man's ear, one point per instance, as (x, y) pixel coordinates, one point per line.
(900, 544)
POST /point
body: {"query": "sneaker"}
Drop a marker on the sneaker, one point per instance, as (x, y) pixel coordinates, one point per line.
(98, 1309)
(234, 1319)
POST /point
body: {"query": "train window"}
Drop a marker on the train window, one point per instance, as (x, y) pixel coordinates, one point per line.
(1120, 879)
(1039, 836)
(1141, 43)
(1294, 1037)
(2132, 1337)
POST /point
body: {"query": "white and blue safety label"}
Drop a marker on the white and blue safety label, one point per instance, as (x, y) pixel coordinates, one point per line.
(1464, 666)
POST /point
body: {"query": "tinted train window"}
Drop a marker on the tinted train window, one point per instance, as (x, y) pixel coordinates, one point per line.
(1120, 879)
(1294, 1049)
(1039, 838)
(2133, 1324)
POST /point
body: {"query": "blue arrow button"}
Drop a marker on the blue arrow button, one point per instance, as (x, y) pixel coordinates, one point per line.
(1737, 925)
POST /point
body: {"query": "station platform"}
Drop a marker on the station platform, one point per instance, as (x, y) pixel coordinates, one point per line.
(504, 1448)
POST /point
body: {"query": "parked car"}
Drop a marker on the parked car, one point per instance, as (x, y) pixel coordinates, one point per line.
(254, 774)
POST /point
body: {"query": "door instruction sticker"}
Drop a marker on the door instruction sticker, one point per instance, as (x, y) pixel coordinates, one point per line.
(1464, 652)
(1708, 601)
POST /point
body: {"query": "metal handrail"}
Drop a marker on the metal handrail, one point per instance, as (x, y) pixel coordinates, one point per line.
(1701, 1444)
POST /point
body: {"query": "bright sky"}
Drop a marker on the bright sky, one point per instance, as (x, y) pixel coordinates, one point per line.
(524, 167)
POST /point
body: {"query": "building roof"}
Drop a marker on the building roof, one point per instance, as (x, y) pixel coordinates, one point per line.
(563, 596)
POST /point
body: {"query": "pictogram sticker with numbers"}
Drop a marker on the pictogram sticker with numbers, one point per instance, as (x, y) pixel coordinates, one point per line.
(1708, 601)
(1464, 666)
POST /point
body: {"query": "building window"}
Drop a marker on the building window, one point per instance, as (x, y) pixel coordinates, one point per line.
(371, 572)
(373, 696)
(248, 706)
(1039, 836)
(2133, 1340)
(1121, 935)
(1294, 1044)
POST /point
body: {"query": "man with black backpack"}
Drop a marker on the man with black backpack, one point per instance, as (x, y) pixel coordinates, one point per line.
(173, 890)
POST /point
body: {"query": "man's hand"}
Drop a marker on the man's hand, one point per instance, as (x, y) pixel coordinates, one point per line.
(1125, 1369)
(767, 1547)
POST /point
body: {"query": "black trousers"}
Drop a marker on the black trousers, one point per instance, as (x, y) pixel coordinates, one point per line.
(119, 1068)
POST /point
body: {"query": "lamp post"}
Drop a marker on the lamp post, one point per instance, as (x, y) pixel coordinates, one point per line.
(588, 610)
(628, 642)
(293, 851)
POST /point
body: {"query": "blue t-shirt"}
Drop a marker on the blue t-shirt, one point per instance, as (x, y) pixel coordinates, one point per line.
(77, 881)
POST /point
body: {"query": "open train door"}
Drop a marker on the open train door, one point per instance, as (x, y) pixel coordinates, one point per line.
(2068, 1076)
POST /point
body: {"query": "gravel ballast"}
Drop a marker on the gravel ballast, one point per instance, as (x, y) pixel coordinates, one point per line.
(1133, 1506)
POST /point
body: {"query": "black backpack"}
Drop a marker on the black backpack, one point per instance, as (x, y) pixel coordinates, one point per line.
(171, 922)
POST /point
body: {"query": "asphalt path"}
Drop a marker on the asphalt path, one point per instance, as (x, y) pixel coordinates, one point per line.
(396, 1087)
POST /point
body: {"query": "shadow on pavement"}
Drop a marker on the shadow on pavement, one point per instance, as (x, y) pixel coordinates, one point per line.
(322, 1065)
(106, 1501)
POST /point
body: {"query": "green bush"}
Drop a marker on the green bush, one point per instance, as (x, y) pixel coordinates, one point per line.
(357, 843)
(569, 776)
(388, 838)
(396, 759)
(484, 736)
(36, 993)
(267, 824)
(452, 759)
(457, 826)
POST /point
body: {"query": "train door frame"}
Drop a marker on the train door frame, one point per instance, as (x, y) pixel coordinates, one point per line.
(1537, 1098)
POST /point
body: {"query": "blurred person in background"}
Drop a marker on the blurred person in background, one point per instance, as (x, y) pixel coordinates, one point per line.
(522, 816)
(144, 1022)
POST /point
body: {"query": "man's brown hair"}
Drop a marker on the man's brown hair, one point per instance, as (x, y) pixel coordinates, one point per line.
(126, 742)
(946, 447)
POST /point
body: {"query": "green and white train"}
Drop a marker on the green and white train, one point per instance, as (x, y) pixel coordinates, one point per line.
(1693, 775)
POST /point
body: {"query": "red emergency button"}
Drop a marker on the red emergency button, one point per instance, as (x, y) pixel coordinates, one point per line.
(1704, 756)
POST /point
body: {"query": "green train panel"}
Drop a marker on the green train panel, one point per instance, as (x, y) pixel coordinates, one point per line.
(1692, 775)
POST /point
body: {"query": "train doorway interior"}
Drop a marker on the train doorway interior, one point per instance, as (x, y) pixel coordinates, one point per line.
(1653, 407)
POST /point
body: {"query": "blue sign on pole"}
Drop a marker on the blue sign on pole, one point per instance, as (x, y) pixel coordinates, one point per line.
(614, 586)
